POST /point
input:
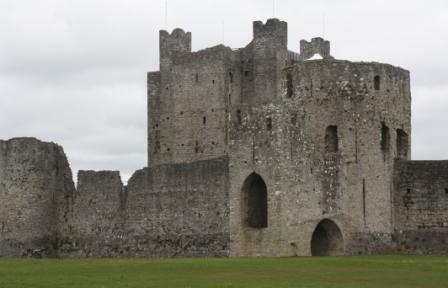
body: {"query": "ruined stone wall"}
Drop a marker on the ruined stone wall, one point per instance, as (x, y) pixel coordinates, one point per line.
(420, 207)
(178, 210)
(35, 180)
(182, 212)
(166, 211)
(284, 142)
(95, 219)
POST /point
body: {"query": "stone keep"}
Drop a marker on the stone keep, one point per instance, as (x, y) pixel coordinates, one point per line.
(258, 151)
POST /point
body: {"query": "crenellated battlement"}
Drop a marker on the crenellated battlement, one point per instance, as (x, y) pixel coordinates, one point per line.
(178, 41)
(273, 28)
(315, 46)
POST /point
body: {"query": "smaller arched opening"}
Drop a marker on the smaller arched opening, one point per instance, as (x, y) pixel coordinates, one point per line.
(331, 139)
(377, 82)
(269, 123)
(327, 239)
(289, 86)
(385, 138)
(239, 118)
(255, 202)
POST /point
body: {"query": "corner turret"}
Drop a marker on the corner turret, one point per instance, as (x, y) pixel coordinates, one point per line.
(264, 61)
(177, 42)
(317, 47)
(273, 29)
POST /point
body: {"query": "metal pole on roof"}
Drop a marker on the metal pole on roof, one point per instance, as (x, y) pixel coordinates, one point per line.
(166, 15)
(273, 8)
(222, 31)
(323, 24)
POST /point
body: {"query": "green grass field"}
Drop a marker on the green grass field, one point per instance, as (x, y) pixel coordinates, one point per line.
(355, 271)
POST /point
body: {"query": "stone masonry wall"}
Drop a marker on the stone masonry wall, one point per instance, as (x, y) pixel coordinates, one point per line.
(187, 103)
(96, 217)
(271, 119)
(35, 181)
(183, 211)
(420, 207)
(178, 210)
(284, 142)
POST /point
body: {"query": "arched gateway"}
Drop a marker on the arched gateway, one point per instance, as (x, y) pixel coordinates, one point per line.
(255, 202)
(327, 239)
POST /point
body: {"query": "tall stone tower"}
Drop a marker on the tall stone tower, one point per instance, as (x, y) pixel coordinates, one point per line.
(308, 142)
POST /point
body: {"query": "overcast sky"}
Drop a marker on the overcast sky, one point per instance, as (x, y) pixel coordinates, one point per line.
(74, 71)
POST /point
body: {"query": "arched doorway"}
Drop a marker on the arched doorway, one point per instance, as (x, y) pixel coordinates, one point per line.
(327, 239)
(255, 202)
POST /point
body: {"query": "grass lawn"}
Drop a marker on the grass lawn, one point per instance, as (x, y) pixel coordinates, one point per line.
(354, 271)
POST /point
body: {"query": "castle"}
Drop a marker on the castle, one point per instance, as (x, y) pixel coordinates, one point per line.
(257, 151)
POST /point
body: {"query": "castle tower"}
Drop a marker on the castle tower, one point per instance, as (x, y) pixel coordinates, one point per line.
(306, 144)
(256, 151)
(188, 101)
(324, 151)
(263, 60)
(317, 46)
